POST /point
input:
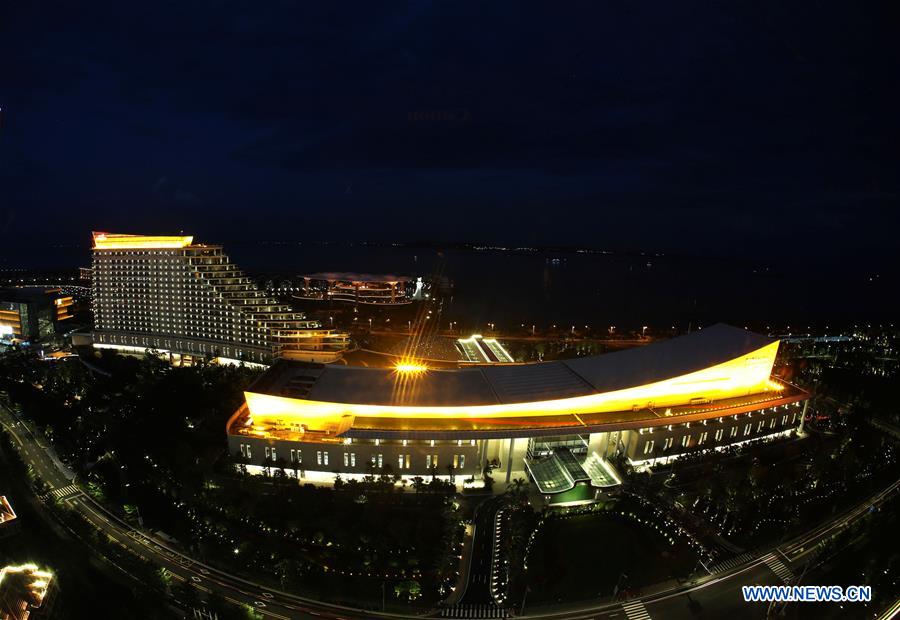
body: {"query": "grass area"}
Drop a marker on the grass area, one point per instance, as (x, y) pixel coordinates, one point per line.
(582, 556)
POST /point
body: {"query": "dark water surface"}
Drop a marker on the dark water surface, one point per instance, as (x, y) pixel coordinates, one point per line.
(571, 288)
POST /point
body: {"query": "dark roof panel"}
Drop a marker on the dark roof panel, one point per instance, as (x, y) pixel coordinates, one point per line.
(377, 386)
(507, 384)
(532, 382)
(669, 358)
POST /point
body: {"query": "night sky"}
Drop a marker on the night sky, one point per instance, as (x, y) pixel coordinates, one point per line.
(742, 129)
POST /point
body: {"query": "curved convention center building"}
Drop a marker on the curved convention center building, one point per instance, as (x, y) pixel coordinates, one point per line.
(558, 423)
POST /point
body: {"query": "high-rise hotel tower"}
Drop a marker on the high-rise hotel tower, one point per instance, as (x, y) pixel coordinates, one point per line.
(169, 294)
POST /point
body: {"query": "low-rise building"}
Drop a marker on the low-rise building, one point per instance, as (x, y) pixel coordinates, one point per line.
(32, 314)
(559, 423)
(26, 592)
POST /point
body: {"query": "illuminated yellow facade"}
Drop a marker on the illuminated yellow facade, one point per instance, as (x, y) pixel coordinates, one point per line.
(110, 241)
(745, 375)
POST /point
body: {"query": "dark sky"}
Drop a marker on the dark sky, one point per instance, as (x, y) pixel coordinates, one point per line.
(739, 128)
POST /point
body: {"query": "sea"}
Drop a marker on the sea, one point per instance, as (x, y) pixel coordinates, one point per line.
(601, 290)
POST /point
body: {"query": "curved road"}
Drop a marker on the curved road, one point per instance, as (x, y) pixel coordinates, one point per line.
(719, 593)
(269, 602)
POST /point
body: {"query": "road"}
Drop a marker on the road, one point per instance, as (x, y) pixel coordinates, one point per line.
(715, 595)
(478, 601)
(269, 602)
(719, 595)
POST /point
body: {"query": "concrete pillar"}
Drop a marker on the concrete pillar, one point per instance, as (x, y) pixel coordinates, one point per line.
(509, 459)
(803, 417)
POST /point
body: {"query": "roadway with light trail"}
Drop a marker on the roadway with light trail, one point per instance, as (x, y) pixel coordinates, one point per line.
(718, 594)
(269, 602)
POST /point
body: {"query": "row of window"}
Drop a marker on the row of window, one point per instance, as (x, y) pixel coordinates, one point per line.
(702, 437)
(377, 460)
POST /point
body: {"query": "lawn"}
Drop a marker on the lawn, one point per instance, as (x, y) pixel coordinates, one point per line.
(582, 557)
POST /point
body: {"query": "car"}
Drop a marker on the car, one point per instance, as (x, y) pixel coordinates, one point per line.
(259, 603)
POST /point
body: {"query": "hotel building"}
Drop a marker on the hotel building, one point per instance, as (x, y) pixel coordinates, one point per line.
(169, 294)
(559, 423)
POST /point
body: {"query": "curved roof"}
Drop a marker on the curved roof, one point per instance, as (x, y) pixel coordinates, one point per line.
(524, 383)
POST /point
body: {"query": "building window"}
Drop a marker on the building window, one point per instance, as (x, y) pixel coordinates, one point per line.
(733, 432)
(719, 434)
(346, 459)
(747, 430)
(267, 453)
(462, 461)
(431, 461)
(702, 439)
(648, 446)
(760, 425)
(685, 441)
(667, 444)
(273, 454)
(772, 423)
(784, 419)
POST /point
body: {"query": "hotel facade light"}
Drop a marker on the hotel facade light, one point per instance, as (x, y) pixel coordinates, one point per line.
(167, 293)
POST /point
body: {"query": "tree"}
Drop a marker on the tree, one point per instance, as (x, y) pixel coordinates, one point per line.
(488, 479)
(418, 483)
(409, 590)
